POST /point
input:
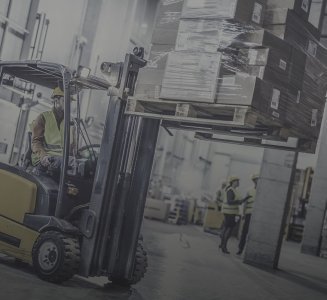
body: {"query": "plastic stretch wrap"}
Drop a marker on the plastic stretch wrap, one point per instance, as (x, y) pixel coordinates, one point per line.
(167, 22)
(215, 59)
(250, 11)
(191, 76)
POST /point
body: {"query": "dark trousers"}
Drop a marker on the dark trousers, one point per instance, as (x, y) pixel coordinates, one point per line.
(245, 231)
(229, 223)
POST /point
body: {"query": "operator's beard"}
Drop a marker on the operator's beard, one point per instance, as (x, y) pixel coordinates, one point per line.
(59, 112)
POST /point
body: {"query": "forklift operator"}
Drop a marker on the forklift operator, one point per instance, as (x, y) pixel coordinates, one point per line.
(48, 135)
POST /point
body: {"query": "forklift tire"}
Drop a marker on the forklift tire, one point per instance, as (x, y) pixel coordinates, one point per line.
(140, 267)
(56, 256)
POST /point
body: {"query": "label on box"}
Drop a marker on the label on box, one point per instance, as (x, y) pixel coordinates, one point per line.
(131, 105)
(314, 118)
(257, 11)
(305, 5)
(239, 115)
(283, 64)
(195, 3)
(253, 54)
(275, 99)
(182, 110)
(312, 48)
(182, 41)
(275, 114)
(298, 97)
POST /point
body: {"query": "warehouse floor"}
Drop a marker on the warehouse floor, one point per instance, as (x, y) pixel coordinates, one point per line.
(184, 263)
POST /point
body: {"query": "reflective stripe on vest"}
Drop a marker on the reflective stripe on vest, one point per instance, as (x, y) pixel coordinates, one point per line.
(250, 202)
(53, 136)
(230, 209)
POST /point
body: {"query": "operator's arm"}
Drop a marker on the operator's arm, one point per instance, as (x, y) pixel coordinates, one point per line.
(38, 137)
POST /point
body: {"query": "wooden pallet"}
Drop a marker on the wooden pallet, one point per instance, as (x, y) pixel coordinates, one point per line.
(222, 123)
(199, 113)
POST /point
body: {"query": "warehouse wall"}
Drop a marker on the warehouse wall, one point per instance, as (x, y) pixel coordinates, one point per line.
(66, 18)
(187, 173)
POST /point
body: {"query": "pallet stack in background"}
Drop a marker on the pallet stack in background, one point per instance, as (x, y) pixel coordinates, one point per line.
(288, 19)
(258, 53)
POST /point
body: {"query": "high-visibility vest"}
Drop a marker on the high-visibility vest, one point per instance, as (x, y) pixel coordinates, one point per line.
(230, 209)
(53, 137)
(250, 201)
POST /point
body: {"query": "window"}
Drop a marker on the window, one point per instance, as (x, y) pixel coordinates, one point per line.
(13, 22)
(145, 13)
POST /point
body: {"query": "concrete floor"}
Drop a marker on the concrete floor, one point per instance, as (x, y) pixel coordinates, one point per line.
(184, 263)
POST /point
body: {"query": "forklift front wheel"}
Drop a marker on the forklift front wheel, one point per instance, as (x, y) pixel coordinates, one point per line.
(140, 267)
(56, 256)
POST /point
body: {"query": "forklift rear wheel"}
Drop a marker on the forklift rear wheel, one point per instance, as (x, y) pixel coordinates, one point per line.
(140, 266)
(56, 256)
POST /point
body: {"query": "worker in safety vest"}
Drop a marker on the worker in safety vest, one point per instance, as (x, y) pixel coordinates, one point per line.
(248, 208)
(48, 134)
(230, 209)
(220, 196)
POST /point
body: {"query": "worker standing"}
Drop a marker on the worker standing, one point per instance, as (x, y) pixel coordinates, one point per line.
(220, 195)
(248, 208)
(230, 210)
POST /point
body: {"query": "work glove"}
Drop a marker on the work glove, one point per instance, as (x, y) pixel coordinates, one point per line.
(55, 162)
(45, 161)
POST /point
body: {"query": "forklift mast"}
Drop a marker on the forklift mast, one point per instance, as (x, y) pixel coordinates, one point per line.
(111, 225)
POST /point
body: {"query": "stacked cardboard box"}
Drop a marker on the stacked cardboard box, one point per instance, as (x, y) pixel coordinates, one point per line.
(207, 27)
(215, 51)
(276, 10)
(193, 27)
(308, 63)
(163, 42)
(248, 90)
(247, 12)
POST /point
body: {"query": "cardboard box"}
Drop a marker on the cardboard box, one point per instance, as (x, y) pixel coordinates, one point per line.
(305, 115)
(299, 25)
(167, 22)
(263, 38)
(297, 70)
(149, 80)
(199, 35)
(168, 14)
(148, 85)
(276, 10)
(274, 59)
(243, 89)
(250, 11)
(191, 76)
(158, 56)
(207, 35)
(267, 73)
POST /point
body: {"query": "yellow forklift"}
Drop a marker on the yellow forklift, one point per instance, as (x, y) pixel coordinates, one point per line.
(87, 221)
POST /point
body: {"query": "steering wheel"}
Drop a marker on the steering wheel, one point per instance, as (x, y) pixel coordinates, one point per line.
(88, 150)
